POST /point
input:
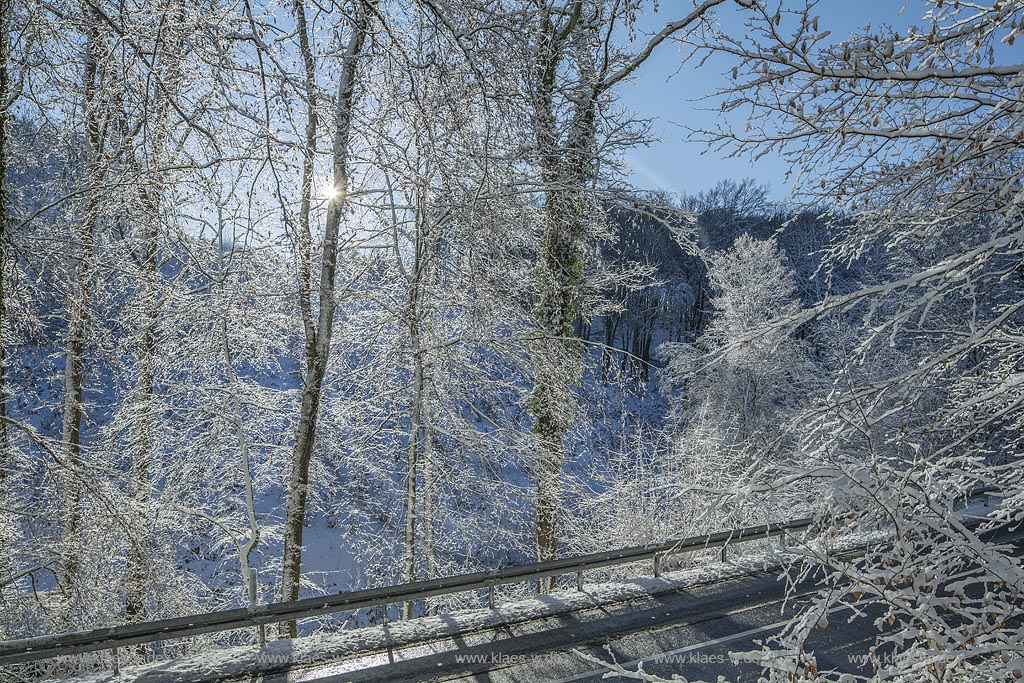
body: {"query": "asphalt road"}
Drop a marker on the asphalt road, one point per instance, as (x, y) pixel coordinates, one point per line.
(687, 632)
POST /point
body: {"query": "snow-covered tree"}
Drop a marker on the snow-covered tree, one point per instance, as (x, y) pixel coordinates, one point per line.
(739, 383)
(574, 63)
(915, 138)
(750, 379)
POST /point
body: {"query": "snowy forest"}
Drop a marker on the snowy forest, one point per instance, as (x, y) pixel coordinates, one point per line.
(314, 296)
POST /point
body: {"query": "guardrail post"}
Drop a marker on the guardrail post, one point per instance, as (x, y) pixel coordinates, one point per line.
(579, 580)
(490, 597)
(782, 541)
(657, 565)
(384, 608)
(117, 667)
(724, 553)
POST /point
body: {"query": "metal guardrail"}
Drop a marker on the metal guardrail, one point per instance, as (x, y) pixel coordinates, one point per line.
(46, 647)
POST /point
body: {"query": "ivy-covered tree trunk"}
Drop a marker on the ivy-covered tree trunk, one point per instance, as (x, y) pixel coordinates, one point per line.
(556, 363)
(570, 73)
(565, 166)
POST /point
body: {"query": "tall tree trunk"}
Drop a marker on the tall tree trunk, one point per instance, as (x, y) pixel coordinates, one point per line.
(318, 338)
(71, 427)
(412, 472)
(5, 94)
(417, 413)
(565, 170)
(7, 461)
(171, 57)
(247, 547)
(142, 427)
(78, 302)
(428, 495)
(567, 166)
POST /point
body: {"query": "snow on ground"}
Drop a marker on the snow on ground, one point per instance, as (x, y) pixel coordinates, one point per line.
(380, 644)
(357, 648)
(338, 652)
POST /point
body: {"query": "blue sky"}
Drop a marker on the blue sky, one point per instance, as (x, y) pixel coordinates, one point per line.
(664, 92)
